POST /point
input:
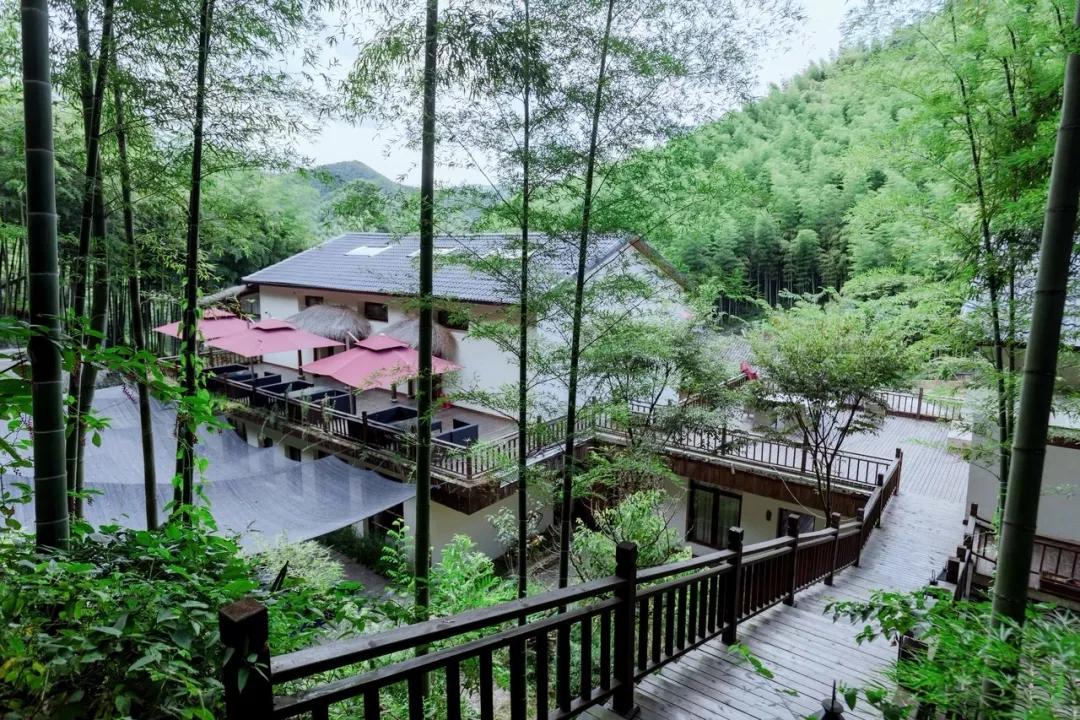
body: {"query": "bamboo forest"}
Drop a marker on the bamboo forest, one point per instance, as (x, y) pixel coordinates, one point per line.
(539, 359)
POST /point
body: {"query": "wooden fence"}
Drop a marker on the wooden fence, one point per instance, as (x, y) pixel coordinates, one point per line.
(919, 406)
(626, 626)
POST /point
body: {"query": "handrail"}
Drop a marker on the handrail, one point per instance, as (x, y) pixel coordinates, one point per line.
(645, 620)
(484, 459)
(320, 658)
(1055, 562)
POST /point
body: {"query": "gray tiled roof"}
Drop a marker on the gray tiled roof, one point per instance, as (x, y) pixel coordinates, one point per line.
(393, 271)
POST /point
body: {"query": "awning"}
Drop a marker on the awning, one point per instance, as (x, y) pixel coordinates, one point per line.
(252, 491)
(378, 361)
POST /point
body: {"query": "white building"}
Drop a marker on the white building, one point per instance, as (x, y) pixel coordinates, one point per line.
(475, 279)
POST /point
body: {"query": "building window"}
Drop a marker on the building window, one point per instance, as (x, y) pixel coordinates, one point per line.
(310, 300)
(376, 311)
(293, 453)
(710, 513)
(452, 320)
(806, 522)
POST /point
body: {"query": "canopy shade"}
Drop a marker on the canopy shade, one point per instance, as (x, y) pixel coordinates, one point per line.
(364, 368)
(332, 321)
(271, 336)
(215, 323)
(250, 490)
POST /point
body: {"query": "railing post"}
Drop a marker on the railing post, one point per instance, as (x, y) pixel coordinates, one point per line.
(626, 593)
(899, 470)
(834, 523)
(860, 516)
(723, 440)
(734, 588)
(364, 426)
(468, 463)
(881, 499)
(793, 533)
(918, 408)
(244, 628)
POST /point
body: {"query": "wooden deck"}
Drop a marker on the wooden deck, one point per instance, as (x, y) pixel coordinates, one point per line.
(805, 649)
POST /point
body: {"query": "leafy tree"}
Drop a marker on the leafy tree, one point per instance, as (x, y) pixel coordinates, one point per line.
(360, 205)
(641, 518)
(823, 371)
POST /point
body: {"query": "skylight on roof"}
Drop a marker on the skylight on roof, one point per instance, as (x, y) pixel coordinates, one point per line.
(368, 250)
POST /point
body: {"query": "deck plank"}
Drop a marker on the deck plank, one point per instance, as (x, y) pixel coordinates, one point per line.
(803, 648)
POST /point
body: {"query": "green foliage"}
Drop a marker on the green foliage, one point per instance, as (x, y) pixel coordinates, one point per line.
(922, 315)
(963, 652)
(307, 561)
(824, 367)
(124, 623)
(864, 162)
(463, 579)
(821, 358)
(641, 518)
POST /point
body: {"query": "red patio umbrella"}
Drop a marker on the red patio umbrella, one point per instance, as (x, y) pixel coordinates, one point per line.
(271, 336)
(378, 361)
(215, 323)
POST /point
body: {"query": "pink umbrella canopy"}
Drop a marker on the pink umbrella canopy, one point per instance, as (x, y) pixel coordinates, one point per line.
(365, 367)
(271, 336)
(215, 323)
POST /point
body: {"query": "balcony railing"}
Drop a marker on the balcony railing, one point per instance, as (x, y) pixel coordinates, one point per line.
(626, 626)
(1055, 563)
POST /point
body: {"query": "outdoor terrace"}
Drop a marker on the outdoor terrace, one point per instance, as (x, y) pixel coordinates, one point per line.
(654, 641)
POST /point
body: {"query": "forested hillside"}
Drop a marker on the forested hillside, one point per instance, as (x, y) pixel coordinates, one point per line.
(867, 161)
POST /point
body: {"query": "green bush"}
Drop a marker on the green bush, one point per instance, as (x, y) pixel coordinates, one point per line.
(1034, 666)
(124, 623)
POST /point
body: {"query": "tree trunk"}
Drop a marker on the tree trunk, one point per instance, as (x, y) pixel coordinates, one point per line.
(50, 483)
(427, 244)
(135, 300)
(523, 338)
(569, 461)
(92, 98)
(1040, 361)
(98, 317)
(185, 437)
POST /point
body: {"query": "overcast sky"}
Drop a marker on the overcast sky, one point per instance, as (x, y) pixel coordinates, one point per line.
(817, 38)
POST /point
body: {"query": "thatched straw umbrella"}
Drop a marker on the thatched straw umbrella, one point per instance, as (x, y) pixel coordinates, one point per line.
(332, 321)
(443, 343)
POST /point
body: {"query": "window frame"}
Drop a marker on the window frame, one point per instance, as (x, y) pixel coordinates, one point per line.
(718, 540)
(385, 314)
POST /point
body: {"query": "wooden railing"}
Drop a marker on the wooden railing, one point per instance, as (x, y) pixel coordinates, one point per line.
(854, 470)
(626, 626)
(922, 407)
(487, 459)
(1055, 563)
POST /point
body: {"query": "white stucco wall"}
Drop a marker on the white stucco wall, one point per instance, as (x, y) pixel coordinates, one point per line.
(758, 515)
(485, 365)
(446, 523)
(1059, 506)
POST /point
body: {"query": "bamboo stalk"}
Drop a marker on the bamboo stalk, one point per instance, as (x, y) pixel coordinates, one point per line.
(50, 483)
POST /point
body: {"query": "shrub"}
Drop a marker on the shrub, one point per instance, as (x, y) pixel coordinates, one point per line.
(307, 561)
(641, 519)
(964, 653)
(124, 623)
